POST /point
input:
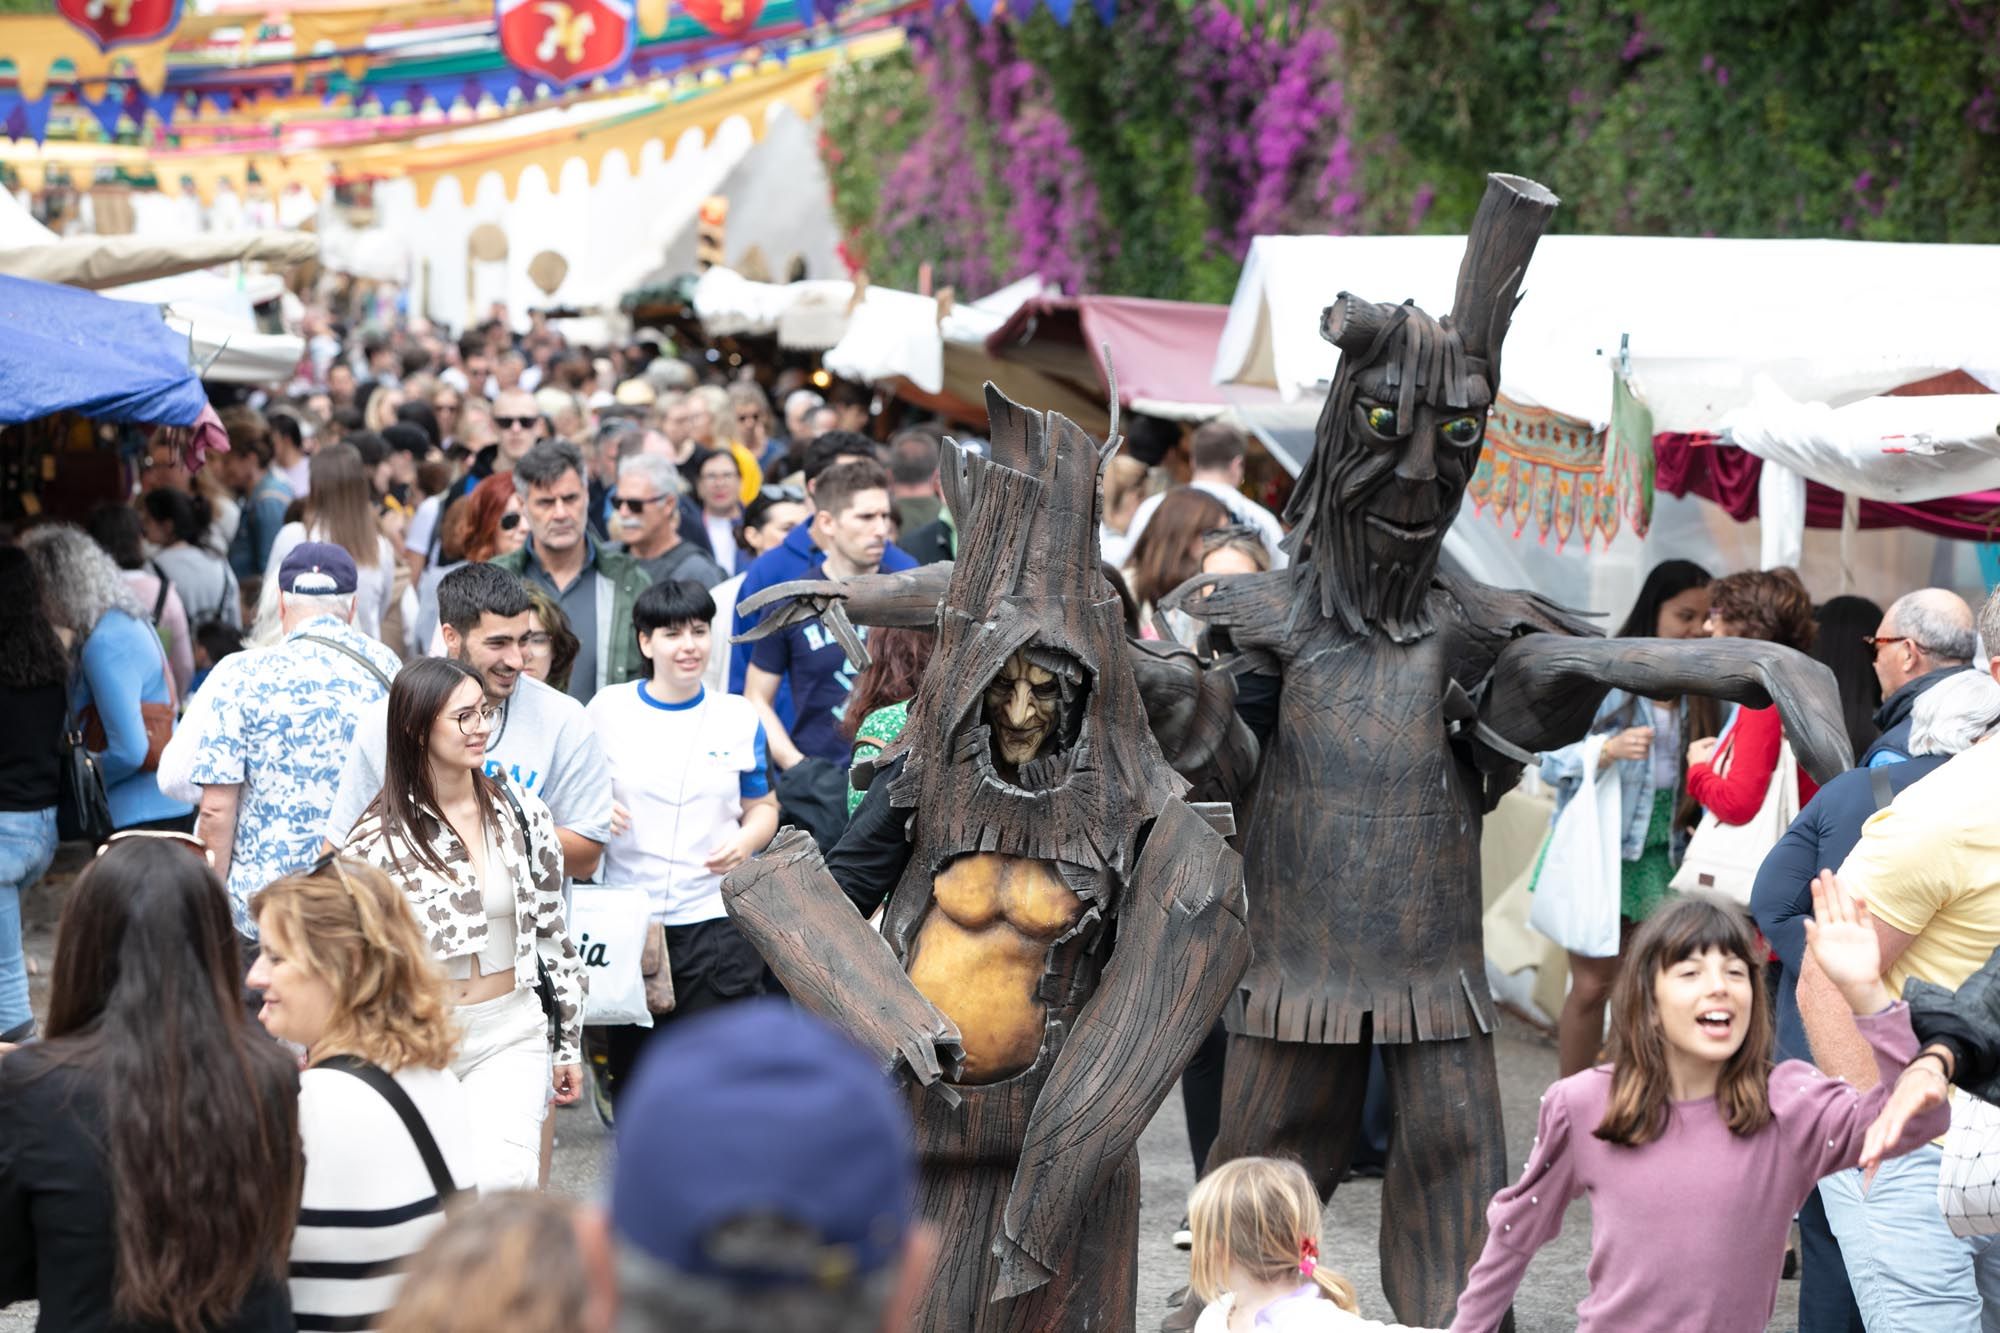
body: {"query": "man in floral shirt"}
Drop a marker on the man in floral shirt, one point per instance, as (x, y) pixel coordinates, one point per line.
(269, 760)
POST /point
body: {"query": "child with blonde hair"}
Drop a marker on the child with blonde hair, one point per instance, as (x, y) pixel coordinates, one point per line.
(1256, 1254)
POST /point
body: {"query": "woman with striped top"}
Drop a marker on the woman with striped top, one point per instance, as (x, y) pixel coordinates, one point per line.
(347, 974)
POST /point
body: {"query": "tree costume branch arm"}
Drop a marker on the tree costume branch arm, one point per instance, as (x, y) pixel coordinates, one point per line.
(1181, 947)
(1546, 687)
(834, 963)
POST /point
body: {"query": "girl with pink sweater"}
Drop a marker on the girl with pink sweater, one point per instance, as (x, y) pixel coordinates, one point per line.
(1695, 1151)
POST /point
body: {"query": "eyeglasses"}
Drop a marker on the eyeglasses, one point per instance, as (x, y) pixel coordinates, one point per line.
(508, 522)
(331, 860)
(538, 642)
(783, 495)
(633, 504)
(472, 721)
(1880, 641)
(160, 835)
(517, 423)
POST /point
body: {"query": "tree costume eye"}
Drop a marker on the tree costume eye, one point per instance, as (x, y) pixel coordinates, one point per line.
(1382, 420)
(1462, 430)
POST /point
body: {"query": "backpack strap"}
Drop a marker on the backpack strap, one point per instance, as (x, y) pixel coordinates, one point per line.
(406, 1110)
(340, 647)
(160, 601)
(1878, 780)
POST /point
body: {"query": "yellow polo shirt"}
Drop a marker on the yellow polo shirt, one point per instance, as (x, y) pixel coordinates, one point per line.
(1929, 866)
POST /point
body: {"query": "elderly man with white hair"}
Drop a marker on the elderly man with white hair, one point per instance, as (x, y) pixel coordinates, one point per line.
(1924, 637)
(646, 518)
(269, 751)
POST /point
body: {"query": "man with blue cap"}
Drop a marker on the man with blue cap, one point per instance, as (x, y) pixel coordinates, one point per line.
(765, 1180)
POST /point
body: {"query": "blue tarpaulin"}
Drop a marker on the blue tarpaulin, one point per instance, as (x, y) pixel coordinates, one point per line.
(63, 349)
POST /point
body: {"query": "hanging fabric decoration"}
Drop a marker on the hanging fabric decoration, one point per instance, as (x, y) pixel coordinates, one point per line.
(112, 23)
(1546, 471)
(724, 18)
(565, 42)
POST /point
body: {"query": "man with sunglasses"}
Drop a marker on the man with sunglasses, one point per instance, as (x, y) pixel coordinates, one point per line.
(646, 520)
(541, 738)
(1924, 637)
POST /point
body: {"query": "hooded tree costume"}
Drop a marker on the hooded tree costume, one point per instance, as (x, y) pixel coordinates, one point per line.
(1061, 926)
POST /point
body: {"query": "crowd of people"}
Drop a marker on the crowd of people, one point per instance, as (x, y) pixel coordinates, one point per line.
(438, 660)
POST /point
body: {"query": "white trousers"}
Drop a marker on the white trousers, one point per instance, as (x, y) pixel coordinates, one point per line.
(503, 1064)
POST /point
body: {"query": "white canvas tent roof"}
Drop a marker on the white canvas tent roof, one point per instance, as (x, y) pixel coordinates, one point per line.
(1824, 321)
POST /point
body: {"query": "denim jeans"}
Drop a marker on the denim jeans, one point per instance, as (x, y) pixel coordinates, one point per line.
(27, 845)
(1910, 1274)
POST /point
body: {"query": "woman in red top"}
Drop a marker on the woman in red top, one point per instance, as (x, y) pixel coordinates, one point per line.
(1769, 604)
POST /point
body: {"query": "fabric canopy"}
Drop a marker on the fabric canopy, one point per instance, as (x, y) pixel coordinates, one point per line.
(1826, 321)
(1898, 449)
(111, 261)
(66, 350)
(1161, 351)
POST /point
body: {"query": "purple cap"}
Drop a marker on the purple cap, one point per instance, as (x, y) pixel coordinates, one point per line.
(759, 1110)
(317, 569)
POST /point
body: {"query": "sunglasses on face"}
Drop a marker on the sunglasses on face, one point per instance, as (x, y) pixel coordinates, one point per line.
(1877, 642)
(517, 423)
(633, 504)
(783, 494)
(508, 522)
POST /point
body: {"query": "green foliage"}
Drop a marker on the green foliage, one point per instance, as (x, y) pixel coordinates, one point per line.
(871, 115)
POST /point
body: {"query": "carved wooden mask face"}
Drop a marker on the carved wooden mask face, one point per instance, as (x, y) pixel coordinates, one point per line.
(1024, 707)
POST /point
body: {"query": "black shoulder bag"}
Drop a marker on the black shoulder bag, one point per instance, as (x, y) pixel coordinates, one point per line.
(545, 989)
(448, 1190)
(83, 811)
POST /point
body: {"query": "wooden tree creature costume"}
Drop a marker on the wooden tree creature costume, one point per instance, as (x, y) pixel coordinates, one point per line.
(1409, 702)
(1063, 927)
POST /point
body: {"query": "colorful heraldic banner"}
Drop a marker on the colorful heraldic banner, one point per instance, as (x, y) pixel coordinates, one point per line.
(111, 23)
(566, 42)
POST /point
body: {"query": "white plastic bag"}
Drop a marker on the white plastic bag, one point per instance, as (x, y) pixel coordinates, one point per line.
(1576, 894)
(609, 926)
(1724, 858)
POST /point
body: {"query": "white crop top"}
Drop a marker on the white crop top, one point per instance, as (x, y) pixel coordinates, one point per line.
(496, 891)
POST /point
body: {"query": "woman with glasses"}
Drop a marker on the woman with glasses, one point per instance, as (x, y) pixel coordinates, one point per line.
(481, 867)
(551, 647)
(347, 975)
(149, 1147)
(717, 488)
(482, 525)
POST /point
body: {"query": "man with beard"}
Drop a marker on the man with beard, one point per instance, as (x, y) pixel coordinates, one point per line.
(646, 521)
(1408, 700)
(542, 741)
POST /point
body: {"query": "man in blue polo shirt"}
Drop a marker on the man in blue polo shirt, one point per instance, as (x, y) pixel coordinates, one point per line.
(800, 553)
(851, 530)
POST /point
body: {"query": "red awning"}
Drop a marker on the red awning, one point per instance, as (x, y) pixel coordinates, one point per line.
(1163, 351)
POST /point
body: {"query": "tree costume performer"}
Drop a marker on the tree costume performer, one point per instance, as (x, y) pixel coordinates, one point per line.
(1410, 700)
(1061, 925)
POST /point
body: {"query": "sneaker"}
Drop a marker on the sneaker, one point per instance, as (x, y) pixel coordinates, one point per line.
(1183, 1236)
(600, 1097)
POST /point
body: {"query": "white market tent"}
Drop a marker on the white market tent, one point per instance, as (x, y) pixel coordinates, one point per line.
(218, 317)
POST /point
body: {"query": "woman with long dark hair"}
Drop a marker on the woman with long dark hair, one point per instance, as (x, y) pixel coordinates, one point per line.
(175, 523)
(1646, 739)
(1169, 552)
(33, 673)
(481, 867)
(149, 1148)
(1844, 627)
(879, 706)
(340, 508)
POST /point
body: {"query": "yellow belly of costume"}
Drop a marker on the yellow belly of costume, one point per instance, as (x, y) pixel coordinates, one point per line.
(980, 953)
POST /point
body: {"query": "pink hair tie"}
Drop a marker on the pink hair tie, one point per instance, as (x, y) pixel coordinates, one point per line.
(1308, 1256)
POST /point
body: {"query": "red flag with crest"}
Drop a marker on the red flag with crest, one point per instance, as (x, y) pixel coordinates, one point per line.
(112, 23)
(562, 42)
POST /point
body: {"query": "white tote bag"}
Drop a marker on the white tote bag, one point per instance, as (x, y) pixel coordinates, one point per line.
(609, 926)
(1969, 1174)
(1577, 891)
(1723, 858)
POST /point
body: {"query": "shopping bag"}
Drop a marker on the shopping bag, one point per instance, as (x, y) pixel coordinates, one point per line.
(1576, 893)
(1969, 1173)
(1723, 858)
(609, 925)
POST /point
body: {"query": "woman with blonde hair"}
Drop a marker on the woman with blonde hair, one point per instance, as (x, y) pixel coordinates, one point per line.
(339, 508)
(1256, 1253)
(346, 974)
(528, 1263)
